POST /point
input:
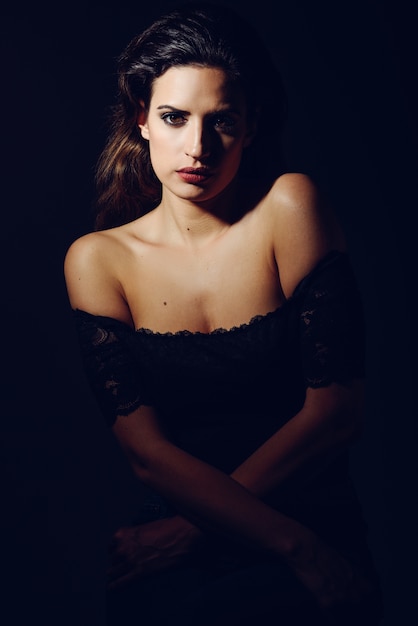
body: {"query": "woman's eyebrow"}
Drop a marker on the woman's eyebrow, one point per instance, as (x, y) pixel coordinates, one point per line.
(175, 109)
(223, 109)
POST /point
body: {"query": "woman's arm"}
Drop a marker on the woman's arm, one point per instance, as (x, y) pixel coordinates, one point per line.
(217, 503)
(211, 499)
(303, 231)
(330, 419)
(318, 431)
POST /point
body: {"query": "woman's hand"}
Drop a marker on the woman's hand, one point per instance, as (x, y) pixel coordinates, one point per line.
(339, 588)
(154, 546)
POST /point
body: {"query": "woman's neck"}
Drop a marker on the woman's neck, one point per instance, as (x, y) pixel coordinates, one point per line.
(194, 223)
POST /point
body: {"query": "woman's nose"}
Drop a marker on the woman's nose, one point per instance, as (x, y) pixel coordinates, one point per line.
(197, 141)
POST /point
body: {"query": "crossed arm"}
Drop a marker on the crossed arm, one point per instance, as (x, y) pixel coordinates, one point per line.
(210, 502)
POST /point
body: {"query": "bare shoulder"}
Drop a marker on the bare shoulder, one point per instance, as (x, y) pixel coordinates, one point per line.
(83, 256)
(303, 225)
(294, 186)
(296, 197)
(91, 282)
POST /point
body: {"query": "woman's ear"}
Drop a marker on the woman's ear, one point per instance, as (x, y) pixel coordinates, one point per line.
(142, 120)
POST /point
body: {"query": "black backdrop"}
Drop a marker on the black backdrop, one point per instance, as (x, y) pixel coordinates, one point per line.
(350, 74)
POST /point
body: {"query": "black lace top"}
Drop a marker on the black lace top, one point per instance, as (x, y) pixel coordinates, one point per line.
(221, 394)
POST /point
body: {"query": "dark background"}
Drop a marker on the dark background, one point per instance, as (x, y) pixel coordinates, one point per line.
(350, 72)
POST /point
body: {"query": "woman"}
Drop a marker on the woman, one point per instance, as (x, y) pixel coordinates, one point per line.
(221, 330)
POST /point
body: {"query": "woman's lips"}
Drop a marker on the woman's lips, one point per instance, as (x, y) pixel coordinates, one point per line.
(194, 175)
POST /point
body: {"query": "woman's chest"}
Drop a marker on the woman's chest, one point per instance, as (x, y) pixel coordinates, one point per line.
(172, 289)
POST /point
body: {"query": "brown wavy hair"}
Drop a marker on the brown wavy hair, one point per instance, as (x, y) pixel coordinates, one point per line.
(194, 34)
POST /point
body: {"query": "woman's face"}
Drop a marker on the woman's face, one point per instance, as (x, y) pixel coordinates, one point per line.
(197, 128)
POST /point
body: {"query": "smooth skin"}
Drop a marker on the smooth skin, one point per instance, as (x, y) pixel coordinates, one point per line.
(200, 261)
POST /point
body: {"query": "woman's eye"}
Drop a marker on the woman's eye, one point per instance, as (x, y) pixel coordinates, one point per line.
(225, 123)
(173, 119)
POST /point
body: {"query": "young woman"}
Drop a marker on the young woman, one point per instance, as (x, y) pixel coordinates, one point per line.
(221, 329)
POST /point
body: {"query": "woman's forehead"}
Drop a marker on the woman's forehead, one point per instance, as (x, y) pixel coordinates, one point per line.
(185, 82)
(189, 78)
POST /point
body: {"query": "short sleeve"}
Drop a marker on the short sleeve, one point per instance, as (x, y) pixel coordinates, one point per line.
(331, 323)
(114, 375)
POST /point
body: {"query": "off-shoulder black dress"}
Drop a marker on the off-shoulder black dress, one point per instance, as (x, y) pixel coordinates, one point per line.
(220, 395)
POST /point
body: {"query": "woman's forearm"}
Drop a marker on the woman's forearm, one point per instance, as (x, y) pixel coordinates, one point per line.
(330, 419)
(232, 505)
(217, 503)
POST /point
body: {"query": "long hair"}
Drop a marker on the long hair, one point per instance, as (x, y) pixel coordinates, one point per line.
(195, 34)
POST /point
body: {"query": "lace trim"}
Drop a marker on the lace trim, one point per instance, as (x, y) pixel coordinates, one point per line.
(216, 331)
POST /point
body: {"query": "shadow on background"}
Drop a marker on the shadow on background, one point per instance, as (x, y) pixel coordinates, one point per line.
(349, 71)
